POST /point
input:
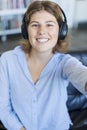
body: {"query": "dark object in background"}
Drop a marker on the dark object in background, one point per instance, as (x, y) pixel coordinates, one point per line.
(77, 102)
(82, 25)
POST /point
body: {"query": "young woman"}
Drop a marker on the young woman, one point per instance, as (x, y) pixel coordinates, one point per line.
(34, 76)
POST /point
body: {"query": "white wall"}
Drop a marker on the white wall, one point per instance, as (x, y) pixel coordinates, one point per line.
(68, 7)
(81, 11)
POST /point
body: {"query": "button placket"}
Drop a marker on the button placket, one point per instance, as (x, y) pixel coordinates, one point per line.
(34, 110)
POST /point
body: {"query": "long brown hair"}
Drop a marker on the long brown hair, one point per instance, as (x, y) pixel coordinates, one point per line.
(53, 9)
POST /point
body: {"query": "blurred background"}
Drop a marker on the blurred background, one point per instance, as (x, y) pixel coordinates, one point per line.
(11, 13)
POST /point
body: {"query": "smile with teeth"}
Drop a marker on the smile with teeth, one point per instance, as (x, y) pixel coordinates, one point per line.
(42, 40)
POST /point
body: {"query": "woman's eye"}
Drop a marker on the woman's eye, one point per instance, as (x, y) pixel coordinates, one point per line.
(49, 25)
(34, 25)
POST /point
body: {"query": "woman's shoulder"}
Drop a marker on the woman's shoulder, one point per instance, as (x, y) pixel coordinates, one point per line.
(11, 53)
(65, 58)
(63, 55)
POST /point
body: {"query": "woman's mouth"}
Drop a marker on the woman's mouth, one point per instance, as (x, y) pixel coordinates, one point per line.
(42, 40)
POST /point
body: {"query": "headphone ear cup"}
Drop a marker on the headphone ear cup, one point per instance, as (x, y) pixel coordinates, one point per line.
(63, 29)
(24, 29)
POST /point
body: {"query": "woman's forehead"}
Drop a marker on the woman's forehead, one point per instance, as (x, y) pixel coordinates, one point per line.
(42, 14)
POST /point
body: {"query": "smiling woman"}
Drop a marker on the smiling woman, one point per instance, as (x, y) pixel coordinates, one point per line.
(61, 32)
(34, 76)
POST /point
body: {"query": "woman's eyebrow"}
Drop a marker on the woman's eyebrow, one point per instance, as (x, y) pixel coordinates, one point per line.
(51, 21)
(34, 22)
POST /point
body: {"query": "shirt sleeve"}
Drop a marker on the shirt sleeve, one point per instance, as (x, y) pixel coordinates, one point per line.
(7, 114)
(75, 72)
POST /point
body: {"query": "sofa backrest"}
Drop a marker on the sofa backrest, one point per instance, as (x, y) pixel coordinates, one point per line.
(77, 100)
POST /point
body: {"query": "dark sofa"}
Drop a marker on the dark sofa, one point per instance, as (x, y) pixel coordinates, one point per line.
(77, 102)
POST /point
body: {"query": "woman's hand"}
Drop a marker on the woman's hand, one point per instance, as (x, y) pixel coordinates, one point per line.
(22, 128)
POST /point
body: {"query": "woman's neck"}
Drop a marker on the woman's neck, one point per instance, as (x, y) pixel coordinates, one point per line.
(36, 63)
(42, 58)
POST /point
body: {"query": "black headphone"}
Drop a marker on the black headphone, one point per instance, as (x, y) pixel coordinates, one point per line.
(63, 27)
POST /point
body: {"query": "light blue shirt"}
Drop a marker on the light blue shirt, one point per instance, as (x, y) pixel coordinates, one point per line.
(40, 106)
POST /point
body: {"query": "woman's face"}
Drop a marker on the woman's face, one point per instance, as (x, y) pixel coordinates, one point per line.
(43, 31)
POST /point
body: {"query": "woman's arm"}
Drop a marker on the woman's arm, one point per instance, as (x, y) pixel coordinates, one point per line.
(76, 73)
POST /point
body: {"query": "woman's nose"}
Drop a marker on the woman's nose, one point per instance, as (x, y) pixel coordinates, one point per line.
(42, 30)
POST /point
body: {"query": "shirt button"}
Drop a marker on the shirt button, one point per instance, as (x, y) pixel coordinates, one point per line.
(34, 114)
(34, 100)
